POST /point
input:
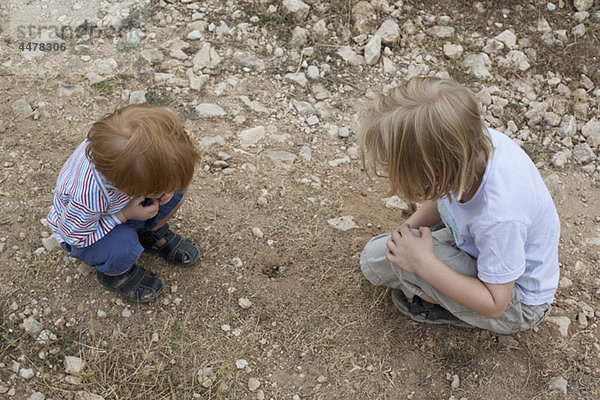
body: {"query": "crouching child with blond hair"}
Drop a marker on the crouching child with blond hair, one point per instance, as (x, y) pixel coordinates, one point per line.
(116, 192)
(493, 263)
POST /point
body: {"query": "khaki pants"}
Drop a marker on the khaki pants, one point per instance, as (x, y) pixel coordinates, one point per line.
(380, 272)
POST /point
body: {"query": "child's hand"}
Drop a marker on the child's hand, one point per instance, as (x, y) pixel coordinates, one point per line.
(136, 211)
(408, 251)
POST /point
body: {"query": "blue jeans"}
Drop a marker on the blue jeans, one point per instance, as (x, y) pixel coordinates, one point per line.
(120, 248)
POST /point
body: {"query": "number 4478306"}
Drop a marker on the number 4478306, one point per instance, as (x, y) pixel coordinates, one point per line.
(33, 46)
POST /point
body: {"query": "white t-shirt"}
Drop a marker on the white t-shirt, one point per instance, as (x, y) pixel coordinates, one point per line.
(510, 225)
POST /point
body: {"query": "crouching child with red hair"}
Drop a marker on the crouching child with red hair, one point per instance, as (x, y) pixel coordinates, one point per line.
(116, 192)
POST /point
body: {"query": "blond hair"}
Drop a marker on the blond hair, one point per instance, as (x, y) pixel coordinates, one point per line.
(428, 137)
(143, 150)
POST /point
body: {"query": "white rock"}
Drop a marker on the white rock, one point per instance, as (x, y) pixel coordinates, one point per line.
(562, 323)
(204, 373)
(543, 26)
(560, 158)
(225, 328)
(135, 36)
(455, 382)
(442, 31)
(339, 161)
(50, 243)
(248, 60)
(493, 46)
(241, 363)
(303, 107)
(93, 77)
(126, 313)
(298, 77)
(87, 396)
(26, 373)
(254, 105)
(320, 28)
(583, 153)
(253, 384)
(343, 223)
(508, 38)
(206, 58)
(194, 35)
(312, 120)
(350, 56)
(101, 313)
(388, 66)
(583, 5)
(312, 72)
(396, 203)
(478, 64)
(591, 127)
(581, 16)
(46, 337)
(209, 141)
(568, 126)
(389, 32)
(196, 82)
(518, 59)
(251, 136)
(37, 396)
(306, 153)
(74, 365)
(299, 37)
(106, 66)
(22, 108)
(297, 10)
(137, 97)
(565, 282)
(453, 50)
(209, 110)
(364, 17)
(558, 383)
(32, 326)
(244, 302)
(281, 155)
(152, 55)
(257, 233)
(373, 50)
(66, 90)
(178, 54)
(578, 30)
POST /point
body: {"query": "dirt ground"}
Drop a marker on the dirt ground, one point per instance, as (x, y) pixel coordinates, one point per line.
(315, 328)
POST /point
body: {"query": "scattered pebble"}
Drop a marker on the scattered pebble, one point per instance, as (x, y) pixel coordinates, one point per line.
(244, 303)
(253, 384)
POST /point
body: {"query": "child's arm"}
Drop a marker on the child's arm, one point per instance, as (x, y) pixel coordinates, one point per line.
(426, 215)
(415, 254)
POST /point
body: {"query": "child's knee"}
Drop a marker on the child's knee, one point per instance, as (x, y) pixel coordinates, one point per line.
(373, 262)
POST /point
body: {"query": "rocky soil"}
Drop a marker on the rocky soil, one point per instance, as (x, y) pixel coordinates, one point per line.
(270, 90)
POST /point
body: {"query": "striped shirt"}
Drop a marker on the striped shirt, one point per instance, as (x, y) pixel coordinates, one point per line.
(85, 204)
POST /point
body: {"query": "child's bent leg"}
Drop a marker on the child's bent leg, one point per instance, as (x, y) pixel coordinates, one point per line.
(114, 257)
(114, 253)
(157, 237)
(380, 272)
